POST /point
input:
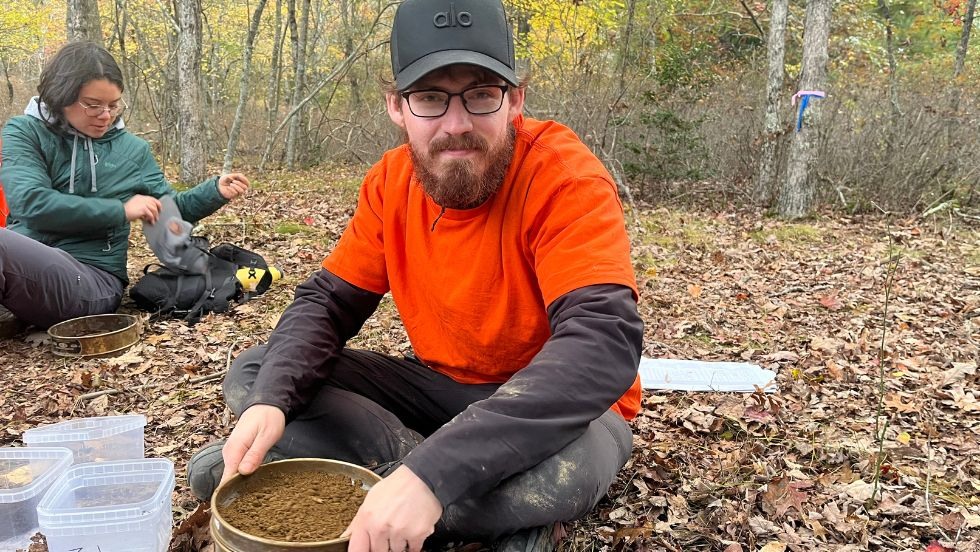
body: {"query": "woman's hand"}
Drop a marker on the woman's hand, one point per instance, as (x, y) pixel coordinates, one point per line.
(232, 185)
(142, 207)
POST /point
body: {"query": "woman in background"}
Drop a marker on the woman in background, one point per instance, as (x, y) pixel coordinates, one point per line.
(74, 180)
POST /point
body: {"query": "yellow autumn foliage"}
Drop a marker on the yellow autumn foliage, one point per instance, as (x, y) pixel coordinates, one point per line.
(24, 28)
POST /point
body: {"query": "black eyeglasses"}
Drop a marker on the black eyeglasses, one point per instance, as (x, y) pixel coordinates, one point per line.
(478, 100)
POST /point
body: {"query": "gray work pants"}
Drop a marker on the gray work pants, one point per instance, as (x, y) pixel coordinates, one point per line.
(43, 285)
(376, 408)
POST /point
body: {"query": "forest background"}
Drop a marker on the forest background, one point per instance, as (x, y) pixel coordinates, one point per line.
(671, 95)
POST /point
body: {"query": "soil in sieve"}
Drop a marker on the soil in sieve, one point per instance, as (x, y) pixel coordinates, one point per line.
(295, 507)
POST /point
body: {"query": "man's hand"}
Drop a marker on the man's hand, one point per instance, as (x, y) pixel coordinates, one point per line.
(258, 428)
(232, 185)
(142, 207)
(398, 513)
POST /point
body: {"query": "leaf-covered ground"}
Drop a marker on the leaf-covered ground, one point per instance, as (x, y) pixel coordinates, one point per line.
(872, 325)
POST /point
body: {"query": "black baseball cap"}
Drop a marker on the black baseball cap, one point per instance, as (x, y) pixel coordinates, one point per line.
(431, 34)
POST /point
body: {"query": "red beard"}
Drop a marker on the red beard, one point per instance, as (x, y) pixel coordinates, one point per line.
(460, 186)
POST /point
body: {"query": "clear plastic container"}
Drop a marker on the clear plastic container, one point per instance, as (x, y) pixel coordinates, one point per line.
(93, 439)
(25, 473)
(119, 506)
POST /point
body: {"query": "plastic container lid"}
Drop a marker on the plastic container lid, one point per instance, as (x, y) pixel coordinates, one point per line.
(84, 429)
(97, 493)
(27, 471)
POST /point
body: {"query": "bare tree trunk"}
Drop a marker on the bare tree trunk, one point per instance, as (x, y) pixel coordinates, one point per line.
(338, 69)
(193, 153)
(960, 61)
(751, 15)
(522, 62)
(82, 21)
(128, 52)
(121, 24)
(886, 15)
(243, 89)
(275, 77)
(213, 80)
(765, 182)
(291, 22)
(347, 14)
(294, 135)
(962, 48)
(158, 77)
(607, 144)
(799, 189)
(610, 126)
(625, 52)
(9, 85)
(955, 88)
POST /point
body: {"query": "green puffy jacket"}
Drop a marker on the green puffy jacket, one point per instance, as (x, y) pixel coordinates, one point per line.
(67, 190)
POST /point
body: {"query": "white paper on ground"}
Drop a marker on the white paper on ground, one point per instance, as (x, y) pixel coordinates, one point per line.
(700, 375)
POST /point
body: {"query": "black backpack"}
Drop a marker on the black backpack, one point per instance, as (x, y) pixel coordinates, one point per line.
(169, 291)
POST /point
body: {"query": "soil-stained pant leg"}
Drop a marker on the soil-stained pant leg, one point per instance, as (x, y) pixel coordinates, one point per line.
(338, 424)
(564, 487)
(44, 285)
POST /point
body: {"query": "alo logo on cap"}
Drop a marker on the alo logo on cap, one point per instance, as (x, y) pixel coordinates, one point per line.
(452, 19)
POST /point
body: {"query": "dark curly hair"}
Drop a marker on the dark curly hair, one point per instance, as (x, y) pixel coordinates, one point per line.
(63, 76)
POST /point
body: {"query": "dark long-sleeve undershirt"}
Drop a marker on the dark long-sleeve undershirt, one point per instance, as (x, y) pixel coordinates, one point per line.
(586, 365)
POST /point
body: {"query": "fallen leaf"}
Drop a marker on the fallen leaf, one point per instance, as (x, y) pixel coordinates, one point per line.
(694, 290)
(859, 490)
(175, 421)
(825, 344)
(762, 526)
(968, 368)
(831, 301)
(952, 522)
(781, 494)
(972, 520)
(193, 533)
(642, 487)
(888, 505)
(964, 400)
(958, 372)
(756, 414)
(38, 338)
(83, 378)
(782, 356)
(125, 359)
(164, 450)
(817, 528)
(630, 534)
(894, 401)
(99, 405)
(158, 338)
(834, 369)
(619, 514)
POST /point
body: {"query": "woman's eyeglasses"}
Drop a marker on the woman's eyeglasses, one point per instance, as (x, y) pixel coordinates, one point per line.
(98, 109)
